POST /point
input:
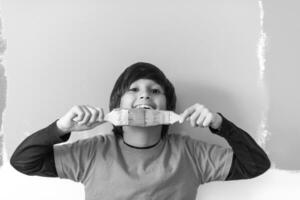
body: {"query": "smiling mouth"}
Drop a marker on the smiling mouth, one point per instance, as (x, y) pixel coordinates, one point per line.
(142, 106)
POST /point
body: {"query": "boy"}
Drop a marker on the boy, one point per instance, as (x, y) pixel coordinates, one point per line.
(140, 162)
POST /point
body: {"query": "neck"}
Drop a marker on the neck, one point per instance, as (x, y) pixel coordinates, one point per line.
(141, 136)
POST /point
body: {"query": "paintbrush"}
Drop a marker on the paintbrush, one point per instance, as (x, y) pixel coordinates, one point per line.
(141, 117)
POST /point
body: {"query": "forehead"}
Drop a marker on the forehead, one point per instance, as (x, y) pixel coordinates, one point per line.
(146, 82)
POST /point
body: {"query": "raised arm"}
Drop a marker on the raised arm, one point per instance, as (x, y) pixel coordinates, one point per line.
(249, 160)
(34, 156)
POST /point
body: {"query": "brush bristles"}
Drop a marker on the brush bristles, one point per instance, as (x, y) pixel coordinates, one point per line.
(141, 117)
(137, 117)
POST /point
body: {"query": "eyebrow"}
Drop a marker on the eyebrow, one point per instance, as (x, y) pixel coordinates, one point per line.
(154, 85)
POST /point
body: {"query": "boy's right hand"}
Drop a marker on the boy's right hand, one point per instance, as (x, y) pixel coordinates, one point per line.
(80, 118)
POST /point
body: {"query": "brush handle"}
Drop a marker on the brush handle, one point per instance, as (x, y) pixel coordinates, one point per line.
(141, 117)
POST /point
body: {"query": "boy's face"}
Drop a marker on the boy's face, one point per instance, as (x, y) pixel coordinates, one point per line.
(144, 93)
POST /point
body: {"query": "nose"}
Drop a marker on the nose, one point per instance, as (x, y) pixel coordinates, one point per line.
(144, 95)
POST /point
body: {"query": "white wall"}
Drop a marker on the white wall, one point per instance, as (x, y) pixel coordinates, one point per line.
(62, 53)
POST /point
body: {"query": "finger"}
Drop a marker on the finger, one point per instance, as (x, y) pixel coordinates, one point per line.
(86, 117)
(94, 115)
(187, 112)
(194, 117)
(208, 119)
(76, 113)
(99, 120)
(101, 115)
(202, 117)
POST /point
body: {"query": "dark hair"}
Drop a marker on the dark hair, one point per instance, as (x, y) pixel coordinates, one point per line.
(141, 70)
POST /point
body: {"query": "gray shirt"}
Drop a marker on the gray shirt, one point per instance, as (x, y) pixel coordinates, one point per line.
(112, 170)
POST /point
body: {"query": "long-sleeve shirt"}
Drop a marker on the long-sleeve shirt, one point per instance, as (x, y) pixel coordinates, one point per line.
(35, 155)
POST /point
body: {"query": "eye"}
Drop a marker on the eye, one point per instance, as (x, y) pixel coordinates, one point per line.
(156, 91)
(133, 89)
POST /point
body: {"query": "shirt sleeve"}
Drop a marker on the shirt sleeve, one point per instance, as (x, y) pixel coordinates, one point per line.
(249, 160)
(213, 161)
(34, 156)
(74, 161)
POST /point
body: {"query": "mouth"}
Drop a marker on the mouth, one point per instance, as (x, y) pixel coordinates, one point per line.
(144, 106)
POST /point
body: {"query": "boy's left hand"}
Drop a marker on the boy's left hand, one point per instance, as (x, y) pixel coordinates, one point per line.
(199, 115)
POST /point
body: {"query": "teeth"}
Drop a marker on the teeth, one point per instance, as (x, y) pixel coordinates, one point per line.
(144, 106)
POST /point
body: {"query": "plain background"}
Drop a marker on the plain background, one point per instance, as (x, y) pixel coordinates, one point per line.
(282, 79)
(63, 53)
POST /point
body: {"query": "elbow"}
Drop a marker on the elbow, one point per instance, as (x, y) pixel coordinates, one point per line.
(21, 166)
(263, 167)
(260, 167)
(240, 170)
(16, 164)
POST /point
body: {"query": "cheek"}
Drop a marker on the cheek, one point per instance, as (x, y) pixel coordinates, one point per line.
(126, 100)
(163, 102)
